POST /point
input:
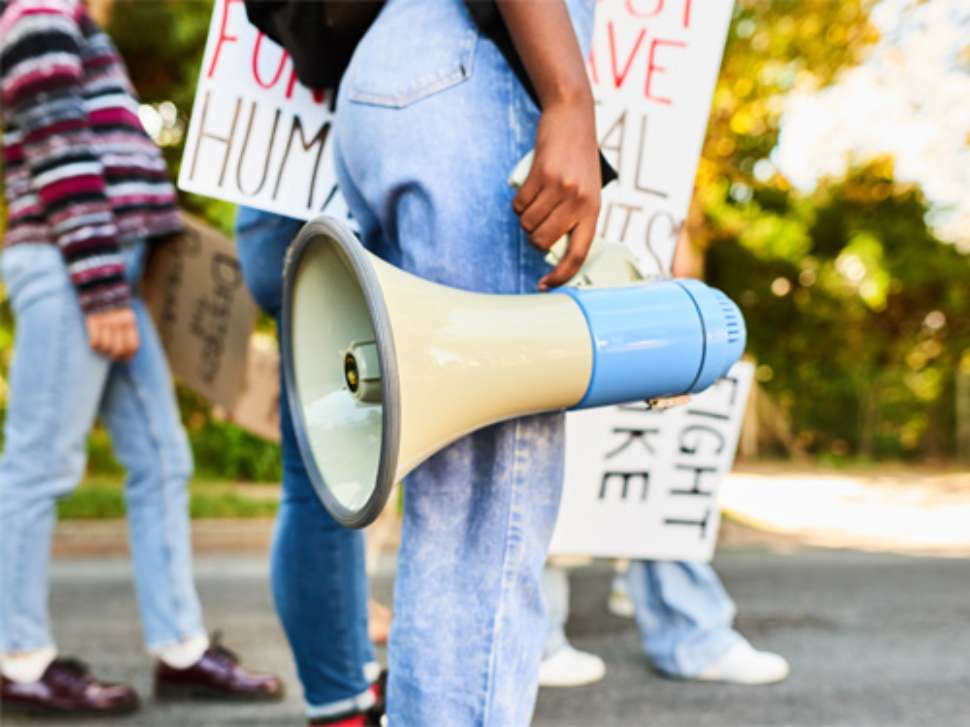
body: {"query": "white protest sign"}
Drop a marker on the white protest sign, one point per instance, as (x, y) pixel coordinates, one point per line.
(644, 484)
(653, 65)
(633, 487)
(257, 137)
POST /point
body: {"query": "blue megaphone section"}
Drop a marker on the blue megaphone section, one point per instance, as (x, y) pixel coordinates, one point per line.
(658, 339)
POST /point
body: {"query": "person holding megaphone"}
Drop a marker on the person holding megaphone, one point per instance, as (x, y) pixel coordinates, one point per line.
(425, 350)
(431, 118)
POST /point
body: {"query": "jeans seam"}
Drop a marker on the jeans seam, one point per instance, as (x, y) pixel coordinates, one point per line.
(157, 449)
(509, 556)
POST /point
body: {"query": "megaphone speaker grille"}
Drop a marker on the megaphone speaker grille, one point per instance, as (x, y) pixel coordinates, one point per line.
(339, 359)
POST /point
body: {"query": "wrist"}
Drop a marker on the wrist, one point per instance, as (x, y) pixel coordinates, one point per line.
(574, 96)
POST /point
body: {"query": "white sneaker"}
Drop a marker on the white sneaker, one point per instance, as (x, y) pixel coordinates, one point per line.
(570, 667)
(619, 603)
(743, 664)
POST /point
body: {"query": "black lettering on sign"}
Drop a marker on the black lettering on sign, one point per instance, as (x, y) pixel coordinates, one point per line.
(695, 488)
(709, 414)
(266, 157)
(204, 133)
(693, 437)
(648, 238)
(687, 522)
(611, 144)
(625, 478)
(633, 434)
(212, 313)
(627, 210)
(641, 145)
(319, 140)
(184, 247)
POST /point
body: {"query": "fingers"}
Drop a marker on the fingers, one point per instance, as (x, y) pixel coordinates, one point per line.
(96, 334)
(126, 334)
(557, 224)
(113, 333)
(579, 244)
(528, 191)
(538, 211)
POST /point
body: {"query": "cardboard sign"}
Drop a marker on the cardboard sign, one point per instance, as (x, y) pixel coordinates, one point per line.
(644, 484)
(258, 407)
(203, 312)
(653, 65)
(257, 137)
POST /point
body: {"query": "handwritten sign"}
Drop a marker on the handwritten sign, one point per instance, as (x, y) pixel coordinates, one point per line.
(203, 311)
(644, 484)
(635, 485)
(257, 137)
(653, 65)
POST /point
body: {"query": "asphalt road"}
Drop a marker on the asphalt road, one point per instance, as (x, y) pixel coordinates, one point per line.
(873, 640)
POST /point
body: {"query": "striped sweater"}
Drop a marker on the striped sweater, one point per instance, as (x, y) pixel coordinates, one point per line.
(79, 170)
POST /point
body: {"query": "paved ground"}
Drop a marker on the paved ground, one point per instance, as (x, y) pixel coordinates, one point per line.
(873, 640)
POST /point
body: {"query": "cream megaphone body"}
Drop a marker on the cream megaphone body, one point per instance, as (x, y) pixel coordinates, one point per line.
(384, 368)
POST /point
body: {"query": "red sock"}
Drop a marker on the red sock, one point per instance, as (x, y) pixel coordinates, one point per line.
(358, 720)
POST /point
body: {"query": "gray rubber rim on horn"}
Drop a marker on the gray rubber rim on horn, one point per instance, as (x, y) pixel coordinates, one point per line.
(327, 230)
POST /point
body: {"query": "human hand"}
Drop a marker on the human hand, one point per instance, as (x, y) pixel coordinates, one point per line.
(561, 194)
(113, 333)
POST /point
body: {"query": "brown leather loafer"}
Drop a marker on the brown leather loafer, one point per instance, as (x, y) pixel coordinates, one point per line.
(218, 675)
(67, 689)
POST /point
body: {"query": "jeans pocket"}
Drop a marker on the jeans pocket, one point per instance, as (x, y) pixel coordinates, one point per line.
(412, 51)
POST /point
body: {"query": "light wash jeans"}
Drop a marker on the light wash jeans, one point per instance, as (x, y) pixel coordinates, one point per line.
(57, 387)
(318, 575)
(430, 121)
(684, 614)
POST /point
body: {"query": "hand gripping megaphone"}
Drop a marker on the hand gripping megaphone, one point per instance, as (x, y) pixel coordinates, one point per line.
(384, 369)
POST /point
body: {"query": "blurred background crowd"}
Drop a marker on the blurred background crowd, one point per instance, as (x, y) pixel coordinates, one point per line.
(832, 202)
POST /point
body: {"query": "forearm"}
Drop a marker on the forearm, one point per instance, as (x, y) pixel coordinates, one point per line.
(545, 41)
(59, 151)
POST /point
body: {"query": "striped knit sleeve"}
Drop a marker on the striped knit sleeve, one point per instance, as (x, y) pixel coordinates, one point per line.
(40, 80)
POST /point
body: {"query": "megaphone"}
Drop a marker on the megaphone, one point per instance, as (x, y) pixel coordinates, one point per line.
(384, 369)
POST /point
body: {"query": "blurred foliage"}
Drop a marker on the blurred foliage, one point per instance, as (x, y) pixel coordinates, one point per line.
(858, 317)
(101, 498)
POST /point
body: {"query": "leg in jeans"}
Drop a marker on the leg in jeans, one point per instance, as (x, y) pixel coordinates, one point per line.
(318, 575)
(55, 384)
(430, 122)
(684, 614)
(555, 590)
(140, 411)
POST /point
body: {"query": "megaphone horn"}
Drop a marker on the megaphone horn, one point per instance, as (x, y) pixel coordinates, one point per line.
(384, 369)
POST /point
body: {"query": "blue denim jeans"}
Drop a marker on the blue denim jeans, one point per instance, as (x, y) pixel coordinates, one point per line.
(57, 387)
(318, 575)
(430, 122)
(684, 614)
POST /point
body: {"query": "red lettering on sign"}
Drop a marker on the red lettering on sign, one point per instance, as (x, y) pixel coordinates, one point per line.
(653, 67)
(636, 9)
(279, 68)
(224, 36)
(620, 76)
